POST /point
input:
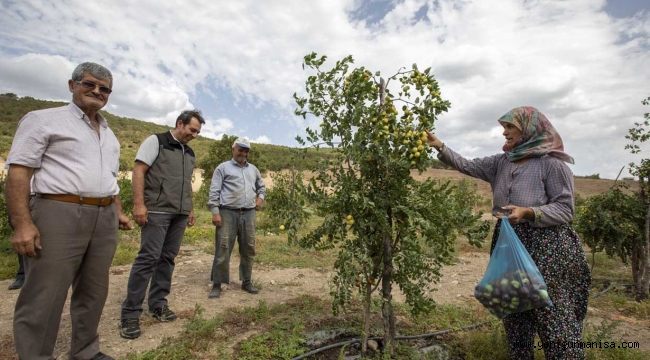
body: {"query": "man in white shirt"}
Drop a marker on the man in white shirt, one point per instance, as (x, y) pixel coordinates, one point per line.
(68, 229)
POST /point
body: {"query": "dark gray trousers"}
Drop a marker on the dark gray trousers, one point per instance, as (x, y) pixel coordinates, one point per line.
(78, 246)
(160, 242)
(240, 226)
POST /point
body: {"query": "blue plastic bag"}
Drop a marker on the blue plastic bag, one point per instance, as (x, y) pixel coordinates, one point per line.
(512, 282)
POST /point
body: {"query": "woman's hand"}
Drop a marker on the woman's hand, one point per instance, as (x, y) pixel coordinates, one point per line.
(519, 214)
(433, 140)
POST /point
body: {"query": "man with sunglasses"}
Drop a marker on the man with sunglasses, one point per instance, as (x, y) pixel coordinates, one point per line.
(67, 228)
(162, 205)
(236, 191)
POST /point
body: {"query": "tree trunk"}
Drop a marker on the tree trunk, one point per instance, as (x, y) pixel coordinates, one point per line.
(641, 262)
(366, 318)
(386, 288)
(387, 313)
(634, 256)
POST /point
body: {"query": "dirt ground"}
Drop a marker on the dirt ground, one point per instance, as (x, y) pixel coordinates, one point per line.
(191, 286)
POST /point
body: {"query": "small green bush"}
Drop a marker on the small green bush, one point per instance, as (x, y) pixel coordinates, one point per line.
(126, 194)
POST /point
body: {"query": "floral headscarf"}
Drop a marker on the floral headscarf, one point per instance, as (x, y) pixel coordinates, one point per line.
(538, 136)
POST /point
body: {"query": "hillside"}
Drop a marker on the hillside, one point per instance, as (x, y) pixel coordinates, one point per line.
(131, 132)
(584, 187)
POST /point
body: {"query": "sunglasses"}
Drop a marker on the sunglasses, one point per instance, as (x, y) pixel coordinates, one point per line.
(91, 86)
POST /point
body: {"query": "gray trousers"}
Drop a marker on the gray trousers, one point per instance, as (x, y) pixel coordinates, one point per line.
(78, 246)
(160, 242)
(240, 226)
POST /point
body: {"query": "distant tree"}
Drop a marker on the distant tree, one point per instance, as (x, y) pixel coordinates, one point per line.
(218, 152)
(611, 222)
(618, 222)
(641, 250)
(287, 203)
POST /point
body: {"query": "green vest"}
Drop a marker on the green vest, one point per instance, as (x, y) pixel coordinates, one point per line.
(168, 182)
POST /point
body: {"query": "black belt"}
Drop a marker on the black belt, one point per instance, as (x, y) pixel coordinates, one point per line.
(236, 209)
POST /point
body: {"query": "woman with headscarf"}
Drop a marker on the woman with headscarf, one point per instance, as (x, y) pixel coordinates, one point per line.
(533, 186)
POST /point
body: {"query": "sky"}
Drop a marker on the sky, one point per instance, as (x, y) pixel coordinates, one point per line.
(583, 63)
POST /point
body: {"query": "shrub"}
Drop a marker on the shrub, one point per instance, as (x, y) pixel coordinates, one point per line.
(126, 194)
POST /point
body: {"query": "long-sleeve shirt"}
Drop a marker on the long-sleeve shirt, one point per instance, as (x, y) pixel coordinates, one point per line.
(544, 184)
(235, 186)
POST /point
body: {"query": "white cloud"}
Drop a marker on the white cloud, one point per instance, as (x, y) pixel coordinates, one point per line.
(587, 71)
(37, 75)
(215, 129)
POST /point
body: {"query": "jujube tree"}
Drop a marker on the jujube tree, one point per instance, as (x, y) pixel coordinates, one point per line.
(388, 228)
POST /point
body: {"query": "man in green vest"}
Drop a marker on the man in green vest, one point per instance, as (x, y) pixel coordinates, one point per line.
(162, 205)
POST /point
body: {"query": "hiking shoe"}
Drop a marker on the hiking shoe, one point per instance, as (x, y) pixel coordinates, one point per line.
(215, 292)
(249, 288)
(163, 314)
(17, 284)
(129, 329)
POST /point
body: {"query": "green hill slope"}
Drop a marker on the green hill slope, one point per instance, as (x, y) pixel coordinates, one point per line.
(131, 132)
